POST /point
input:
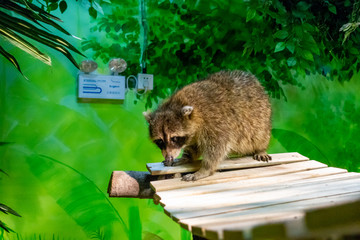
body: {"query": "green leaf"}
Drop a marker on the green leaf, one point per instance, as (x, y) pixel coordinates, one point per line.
(63, 6)
(354, 51)
(39, 35)
(294, 142)
(97, 7)
(31, 31)
(53, 6)
(279, 46)
(92, 12)
(251, 13)
(281, 34)
(308, 27)
(306, 54)
(18, 41)
(135, 227)
(6, 228)
(117, 27)
(7, 209)
(2, 171)
(76, 194)
(290, 46)
(291, 61)
(11, 59)
(332, 8)
(303, 6)
(151, 236)
(31, 14)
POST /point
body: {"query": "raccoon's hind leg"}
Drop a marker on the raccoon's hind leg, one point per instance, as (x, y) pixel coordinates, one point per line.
(191, 153)
(262, 156)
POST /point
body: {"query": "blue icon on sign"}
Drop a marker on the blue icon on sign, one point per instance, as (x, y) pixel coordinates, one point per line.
(91, 88)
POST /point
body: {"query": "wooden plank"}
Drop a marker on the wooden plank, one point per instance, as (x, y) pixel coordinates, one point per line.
(229, 197)
(333, 216)
(231, 232)
(251, 184)
(335, 220)
(240, 221)
(269, 198)
(276, 230)
(221, 177)
(234, 163)
(215, 205)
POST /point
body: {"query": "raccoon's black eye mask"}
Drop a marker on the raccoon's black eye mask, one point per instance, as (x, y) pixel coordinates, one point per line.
(160, 143)
(178, 141)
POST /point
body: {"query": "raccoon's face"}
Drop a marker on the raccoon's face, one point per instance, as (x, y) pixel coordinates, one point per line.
(170, 131)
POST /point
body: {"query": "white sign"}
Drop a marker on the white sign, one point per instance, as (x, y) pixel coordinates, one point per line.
(101, 86)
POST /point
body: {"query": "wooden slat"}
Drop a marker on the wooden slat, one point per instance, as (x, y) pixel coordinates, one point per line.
(245, 215)
(221, 177)
(336, 215)
(229, 197)
(211, 226)
(270, 198)
(235, 163)
(216, 231)
(234, 230)
(252, 184)
(341, 218)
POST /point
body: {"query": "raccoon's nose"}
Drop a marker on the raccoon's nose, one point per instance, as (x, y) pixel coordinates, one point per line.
(168, 160)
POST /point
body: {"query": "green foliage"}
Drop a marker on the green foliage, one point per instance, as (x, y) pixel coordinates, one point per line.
(321, 122)
(93, 6)
(13, 28)
(298, 143)
(119, 37)
(88, 141)
(6, 209)
(76, 194)
(279, 41)
(134, 223)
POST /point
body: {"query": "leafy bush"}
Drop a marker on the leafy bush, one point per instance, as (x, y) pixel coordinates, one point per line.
(279, 41)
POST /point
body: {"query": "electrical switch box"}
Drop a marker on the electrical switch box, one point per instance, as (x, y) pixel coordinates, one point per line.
(101, 86)
(145, 81)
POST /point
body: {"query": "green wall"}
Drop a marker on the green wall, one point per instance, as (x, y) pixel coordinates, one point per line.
(63, 152)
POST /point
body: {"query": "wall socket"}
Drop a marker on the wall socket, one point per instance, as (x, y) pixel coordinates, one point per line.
(145, 81)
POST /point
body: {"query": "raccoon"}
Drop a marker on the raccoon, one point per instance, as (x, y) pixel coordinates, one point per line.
(227, 113)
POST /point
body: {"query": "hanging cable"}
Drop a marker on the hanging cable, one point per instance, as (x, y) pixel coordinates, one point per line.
(144, 32)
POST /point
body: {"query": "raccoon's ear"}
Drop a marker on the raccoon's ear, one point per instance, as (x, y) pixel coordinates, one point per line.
(147, 116)
(187, 110)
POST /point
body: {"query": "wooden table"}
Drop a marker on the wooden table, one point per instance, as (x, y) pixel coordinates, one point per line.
(291, 197)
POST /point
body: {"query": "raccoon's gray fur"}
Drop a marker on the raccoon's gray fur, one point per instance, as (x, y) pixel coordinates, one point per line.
(229, 112)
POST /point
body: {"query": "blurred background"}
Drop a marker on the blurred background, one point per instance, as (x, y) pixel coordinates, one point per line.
(57, 154)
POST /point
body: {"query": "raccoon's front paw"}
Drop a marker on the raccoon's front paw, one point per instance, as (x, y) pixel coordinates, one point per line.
(180, 161)
(196, 176)
(189, 177)
(264, 157)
